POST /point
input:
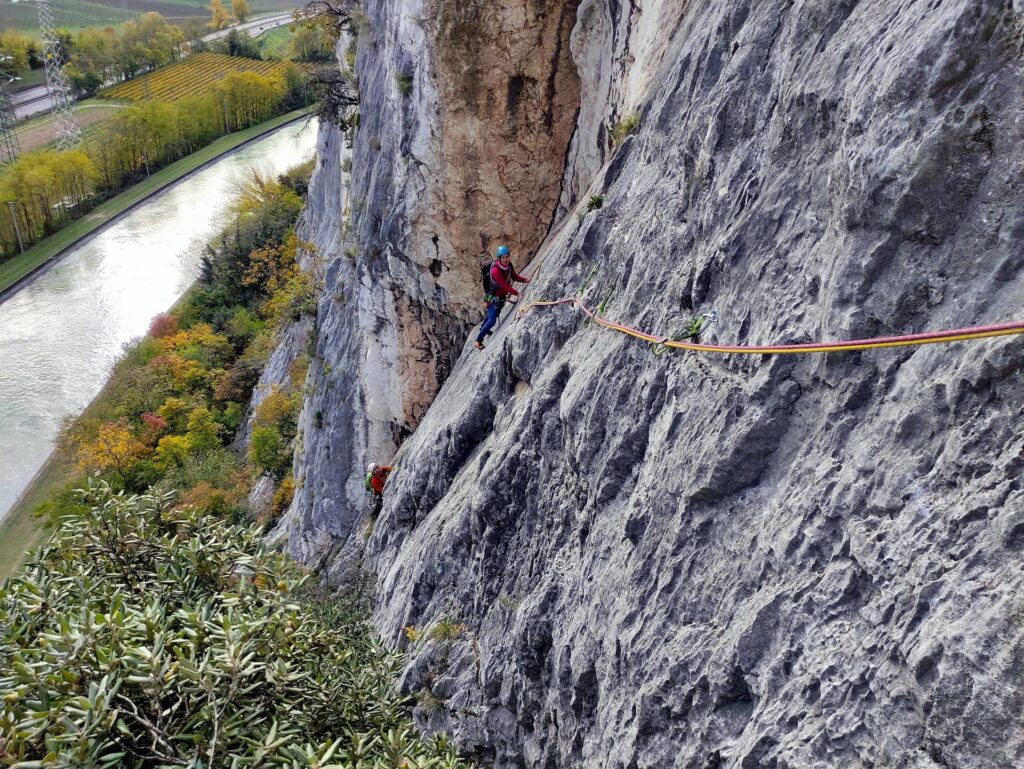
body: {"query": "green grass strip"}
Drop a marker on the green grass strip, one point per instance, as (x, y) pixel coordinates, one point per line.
(42, 252)
(21, 531)
(276, 41)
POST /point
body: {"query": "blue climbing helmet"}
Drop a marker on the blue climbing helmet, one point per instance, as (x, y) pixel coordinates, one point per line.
(503, 251)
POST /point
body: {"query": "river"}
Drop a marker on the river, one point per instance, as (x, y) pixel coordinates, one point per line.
(61, 334)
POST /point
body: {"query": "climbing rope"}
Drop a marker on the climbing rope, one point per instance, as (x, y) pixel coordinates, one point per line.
(928, 337)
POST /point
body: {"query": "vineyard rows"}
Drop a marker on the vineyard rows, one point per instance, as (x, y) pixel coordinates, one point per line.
(194, 76)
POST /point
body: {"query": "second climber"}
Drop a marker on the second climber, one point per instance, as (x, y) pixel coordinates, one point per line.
(498, 290)
(376, 477)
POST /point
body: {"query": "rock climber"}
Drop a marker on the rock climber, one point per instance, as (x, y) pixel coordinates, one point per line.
(376, 477)
(498, 288)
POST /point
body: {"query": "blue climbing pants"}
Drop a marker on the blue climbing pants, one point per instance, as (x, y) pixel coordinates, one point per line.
(494, 308)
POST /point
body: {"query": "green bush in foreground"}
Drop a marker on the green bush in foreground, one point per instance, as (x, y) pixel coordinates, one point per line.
(145, 635)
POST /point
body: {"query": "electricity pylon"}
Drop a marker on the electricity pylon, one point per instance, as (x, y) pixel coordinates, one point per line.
(62, 106)
(9, 148)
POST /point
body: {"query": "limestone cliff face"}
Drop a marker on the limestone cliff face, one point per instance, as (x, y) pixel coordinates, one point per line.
(466, 114)
(678, 560)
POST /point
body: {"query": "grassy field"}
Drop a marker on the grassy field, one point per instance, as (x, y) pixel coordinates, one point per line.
(41, 131)
(74, 14)
(276, 43)
(68, 13)
(193, 76)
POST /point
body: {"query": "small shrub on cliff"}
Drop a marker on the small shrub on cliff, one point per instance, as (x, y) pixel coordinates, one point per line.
(146, 635)
(268, 451)
(338, 95)
(624, 128)
(283, 496)
(404, 83)
(595, 202)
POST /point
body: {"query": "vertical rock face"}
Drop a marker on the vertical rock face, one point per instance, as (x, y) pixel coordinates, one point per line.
(618, 48)
(466, 115)
(617, 559)
(509, 94)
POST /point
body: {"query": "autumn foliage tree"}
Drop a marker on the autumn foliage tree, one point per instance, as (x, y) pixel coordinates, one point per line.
(44, 186)
(114, 449)
(163, 324)
(240, 9)
(219, 17)
(16, 50)
(312, 42)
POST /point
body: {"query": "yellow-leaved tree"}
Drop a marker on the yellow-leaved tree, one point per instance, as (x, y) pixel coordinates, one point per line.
(219, 16)
(113, 449)
(240, 9)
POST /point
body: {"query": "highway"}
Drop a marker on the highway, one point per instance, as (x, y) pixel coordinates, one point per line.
(254, 28)
(33, 101)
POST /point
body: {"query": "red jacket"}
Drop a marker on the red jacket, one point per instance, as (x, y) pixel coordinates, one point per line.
(378, 478)
(502, 280)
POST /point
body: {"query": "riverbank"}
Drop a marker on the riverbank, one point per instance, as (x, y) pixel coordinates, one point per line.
(22, 269)
(19, 530)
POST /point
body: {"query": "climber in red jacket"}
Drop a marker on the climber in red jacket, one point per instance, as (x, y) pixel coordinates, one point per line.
(376, 477)
(499, 289)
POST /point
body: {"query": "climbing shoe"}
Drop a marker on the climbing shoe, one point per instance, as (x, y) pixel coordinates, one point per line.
(478, 345)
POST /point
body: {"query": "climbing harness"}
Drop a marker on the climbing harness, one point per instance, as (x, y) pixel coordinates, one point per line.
(907, 340)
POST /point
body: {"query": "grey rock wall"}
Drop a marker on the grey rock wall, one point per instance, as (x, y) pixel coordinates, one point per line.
(432, 185)
(617, 559)
(276, 375)
(748, 562)
(619, 49)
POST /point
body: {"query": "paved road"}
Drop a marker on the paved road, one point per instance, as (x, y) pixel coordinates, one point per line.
(33, 101)
(254, 28)
(30, 102)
